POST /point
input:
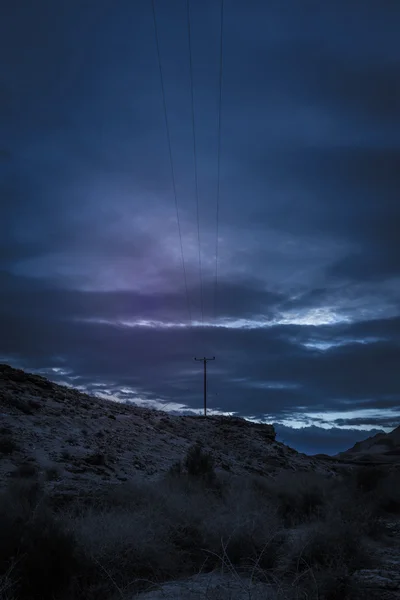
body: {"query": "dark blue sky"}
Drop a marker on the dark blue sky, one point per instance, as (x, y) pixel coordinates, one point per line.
(306, 327)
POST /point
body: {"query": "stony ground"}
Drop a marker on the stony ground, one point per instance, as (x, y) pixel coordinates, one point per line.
(383, 583)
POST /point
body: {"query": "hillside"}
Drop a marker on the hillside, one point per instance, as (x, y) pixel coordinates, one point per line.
(88, 440)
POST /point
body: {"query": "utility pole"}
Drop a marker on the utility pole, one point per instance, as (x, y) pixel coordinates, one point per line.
(205, 381)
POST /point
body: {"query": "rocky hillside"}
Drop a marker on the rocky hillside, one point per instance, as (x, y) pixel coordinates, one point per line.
(380, 447)
(79, 439)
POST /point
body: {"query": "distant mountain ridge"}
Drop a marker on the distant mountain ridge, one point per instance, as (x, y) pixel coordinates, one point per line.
(380, 445)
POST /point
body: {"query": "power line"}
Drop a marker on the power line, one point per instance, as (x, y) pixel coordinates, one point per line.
(195, 157)
(219, 158)
(170, 157)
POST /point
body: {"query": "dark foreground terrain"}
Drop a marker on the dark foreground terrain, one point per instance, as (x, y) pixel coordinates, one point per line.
(100, 500)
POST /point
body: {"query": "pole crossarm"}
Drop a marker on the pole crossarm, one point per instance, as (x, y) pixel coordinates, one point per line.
(205, 360)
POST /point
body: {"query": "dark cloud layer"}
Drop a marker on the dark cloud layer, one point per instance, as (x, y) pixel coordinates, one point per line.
(305, 324)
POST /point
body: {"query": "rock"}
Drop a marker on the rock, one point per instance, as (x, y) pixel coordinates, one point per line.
(211, 586)
(375, 578)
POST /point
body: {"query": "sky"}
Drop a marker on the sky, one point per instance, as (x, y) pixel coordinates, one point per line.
(301, 308)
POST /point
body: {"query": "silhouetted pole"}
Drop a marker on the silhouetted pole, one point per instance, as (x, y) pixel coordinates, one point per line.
(205, 381)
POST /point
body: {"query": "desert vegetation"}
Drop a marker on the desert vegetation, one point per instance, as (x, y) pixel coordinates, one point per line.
(7, 443)
(301, 534)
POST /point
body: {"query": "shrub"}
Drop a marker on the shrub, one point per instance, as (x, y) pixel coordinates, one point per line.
(368, 478)
(25, 470)
(387, 495)
(331, 546)
(243, 528)
(300, 496)
(23, 406)
(175, 470)
(7, 445)
(348, 505)
(52, 473)
(129, 546)
(248, 543)
(130, 496)
(34, 404)
(187, 539)
(199, 463)
(51, 559)
(97, 459)
(40, 553)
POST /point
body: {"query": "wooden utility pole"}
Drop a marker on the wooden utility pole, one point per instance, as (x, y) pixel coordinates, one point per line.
(205, 381)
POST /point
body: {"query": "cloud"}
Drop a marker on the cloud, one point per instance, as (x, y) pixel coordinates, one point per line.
(266, 370)
(380, 421)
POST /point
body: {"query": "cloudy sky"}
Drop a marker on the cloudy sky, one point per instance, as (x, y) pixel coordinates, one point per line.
(303, 316)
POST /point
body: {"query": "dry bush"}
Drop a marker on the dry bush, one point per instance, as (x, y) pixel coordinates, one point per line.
(176, 469)
(24, 406)
(300, 497)
(198, 462)
(128, 547)
(349, 505)
(331, 545)
(7, 444)
(244, 527)
(321, 557)
(176, 528)
(37, 555)
(42, 557)
(97, 459)
(5, 431)
(34, 404)
(52, 473)
(131, 495)
(387, 496)
(187, 504)
(142, 531)
(25, 470)
(368, 478)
